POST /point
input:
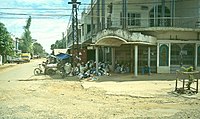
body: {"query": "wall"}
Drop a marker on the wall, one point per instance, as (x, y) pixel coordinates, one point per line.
(175, 35)
(189, 10)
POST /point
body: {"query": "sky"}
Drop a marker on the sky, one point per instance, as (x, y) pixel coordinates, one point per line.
(50, 18)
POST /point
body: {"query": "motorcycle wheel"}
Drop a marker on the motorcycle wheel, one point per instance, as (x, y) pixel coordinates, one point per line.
(37, 71)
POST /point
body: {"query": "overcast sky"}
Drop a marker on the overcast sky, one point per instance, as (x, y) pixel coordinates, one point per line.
(46, 28)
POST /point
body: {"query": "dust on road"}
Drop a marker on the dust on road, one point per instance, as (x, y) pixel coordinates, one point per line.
(43, 97)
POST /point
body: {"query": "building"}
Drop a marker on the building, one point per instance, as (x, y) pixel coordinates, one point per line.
(163, 34)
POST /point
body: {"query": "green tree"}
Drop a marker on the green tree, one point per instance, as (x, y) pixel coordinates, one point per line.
(25, 44)
(38, 49)
(6, 42)
(59, 44)
(53, 46)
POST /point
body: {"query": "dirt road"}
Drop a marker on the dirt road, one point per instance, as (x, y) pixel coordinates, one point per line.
(42, 97)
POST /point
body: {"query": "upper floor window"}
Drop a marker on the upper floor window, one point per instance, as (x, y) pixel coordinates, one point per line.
(134, 19)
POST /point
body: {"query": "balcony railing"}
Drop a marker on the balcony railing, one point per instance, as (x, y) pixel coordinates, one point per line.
(178, 22)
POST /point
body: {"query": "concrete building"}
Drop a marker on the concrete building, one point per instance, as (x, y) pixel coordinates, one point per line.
(163, 34)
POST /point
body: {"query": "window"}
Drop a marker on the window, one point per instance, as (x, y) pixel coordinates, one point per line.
(83, 29)
(121, 19)
(88, 28)
(109, 22)
(134, 19)
(163, 56)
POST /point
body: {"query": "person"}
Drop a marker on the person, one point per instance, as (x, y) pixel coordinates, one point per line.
(146, 69)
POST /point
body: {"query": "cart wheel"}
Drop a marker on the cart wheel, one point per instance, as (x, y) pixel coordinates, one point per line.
(37, 71)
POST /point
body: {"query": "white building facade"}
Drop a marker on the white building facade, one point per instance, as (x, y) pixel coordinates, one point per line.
(163, 34)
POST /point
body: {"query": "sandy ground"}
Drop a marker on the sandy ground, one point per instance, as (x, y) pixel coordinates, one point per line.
(57, 99)
(42, 97)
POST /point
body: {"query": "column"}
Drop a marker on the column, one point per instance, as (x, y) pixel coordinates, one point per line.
(98, 16)
(169, 58)
(149, 56)
(196, 54)
(92, 19)
(97, 58)
(158, 53)
(103, 14)
(131, 59)
(124, 14)
(136, 60)
(113, 59)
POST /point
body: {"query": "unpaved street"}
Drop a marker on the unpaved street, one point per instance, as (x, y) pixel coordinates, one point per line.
(24, 96)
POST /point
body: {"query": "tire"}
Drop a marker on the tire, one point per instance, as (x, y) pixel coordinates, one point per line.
(37, 71)
(50, 72)
(62, 71)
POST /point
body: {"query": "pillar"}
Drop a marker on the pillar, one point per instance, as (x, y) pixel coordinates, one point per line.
(113, 59)
(149, 56)
(131, 59)
(169, 58)
(195, 56)
(158, 53)
(97, 58)
(136, 61)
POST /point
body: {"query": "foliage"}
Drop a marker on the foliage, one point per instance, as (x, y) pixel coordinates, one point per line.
(189, 69)
(6, 42)
(59, 44)
(38, 49)
(25, 44)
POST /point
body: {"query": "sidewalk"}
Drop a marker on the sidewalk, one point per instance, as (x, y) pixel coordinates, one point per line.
(7, 65)
(119, 77)
(131, 77)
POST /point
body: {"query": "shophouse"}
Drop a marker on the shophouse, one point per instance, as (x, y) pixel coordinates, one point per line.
(163, 34)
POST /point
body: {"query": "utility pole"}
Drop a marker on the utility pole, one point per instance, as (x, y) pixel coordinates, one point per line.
(75, 35)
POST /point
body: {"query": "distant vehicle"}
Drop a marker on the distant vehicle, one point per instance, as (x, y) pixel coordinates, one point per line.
(15, 60)
(36, 56)
(26, 57)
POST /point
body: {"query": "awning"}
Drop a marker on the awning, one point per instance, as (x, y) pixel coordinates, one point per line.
(62, 56)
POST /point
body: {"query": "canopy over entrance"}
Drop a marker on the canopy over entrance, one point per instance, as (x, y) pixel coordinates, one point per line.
(119, 37)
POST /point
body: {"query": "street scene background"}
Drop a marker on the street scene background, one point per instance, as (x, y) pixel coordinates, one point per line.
(23, 95)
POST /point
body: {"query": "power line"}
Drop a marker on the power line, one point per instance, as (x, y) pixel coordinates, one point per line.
(26, 18)
(46, 9)
(8, 13)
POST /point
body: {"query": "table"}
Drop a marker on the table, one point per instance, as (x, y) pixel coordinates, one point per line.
(187, 78)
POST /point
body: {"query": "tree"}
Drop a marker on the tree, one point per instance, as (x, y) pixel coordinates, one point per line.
(38, 49)
(59, 44)
(25, 44)
(53, 46)
(6, 42)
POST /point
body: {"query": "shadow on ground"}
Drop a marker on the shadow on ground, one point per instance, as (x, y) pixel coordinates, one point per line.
(121, 77)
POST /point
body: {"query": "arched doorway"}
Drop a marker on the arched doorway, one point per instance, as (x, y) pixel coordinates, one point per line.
(158, 18)
(163, 56)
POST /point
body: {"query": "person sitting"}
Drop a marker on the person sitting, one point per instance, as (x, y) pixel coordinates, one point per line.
(146, 69)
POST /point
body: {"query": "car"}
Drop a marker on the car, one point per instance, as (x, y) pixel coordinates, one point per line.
(15, 60)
